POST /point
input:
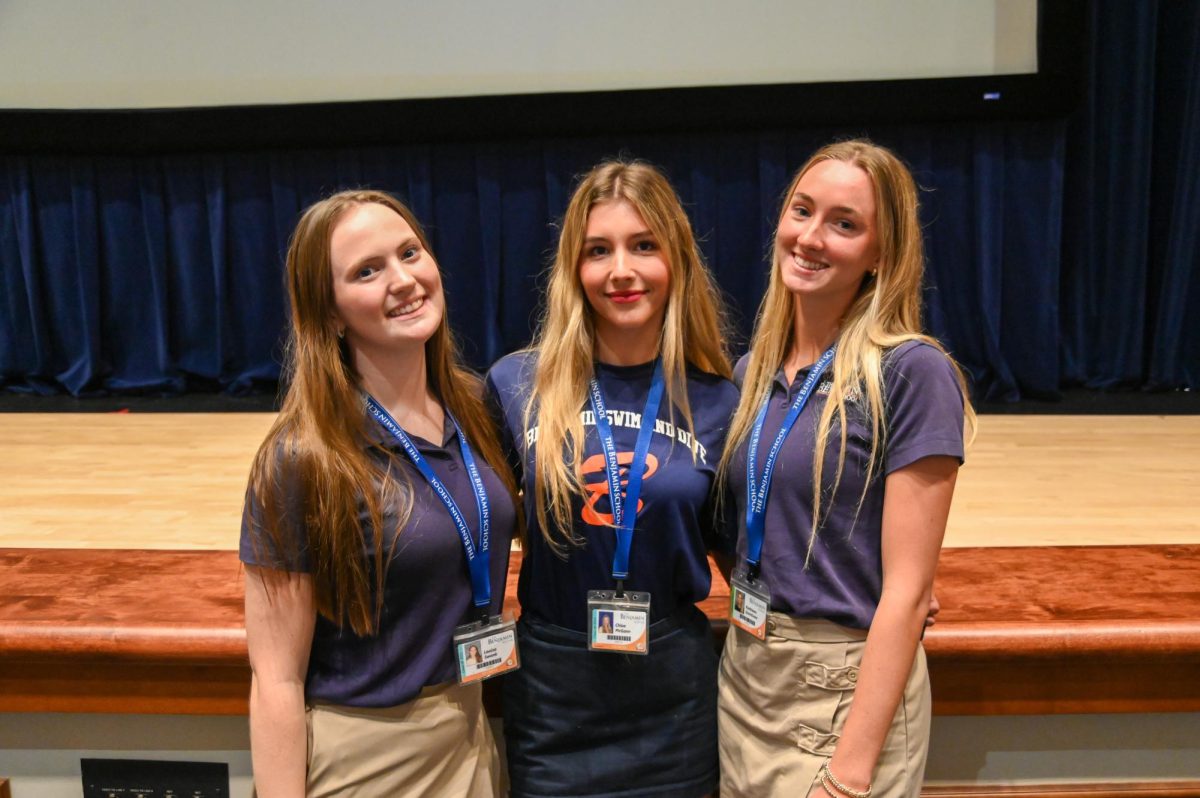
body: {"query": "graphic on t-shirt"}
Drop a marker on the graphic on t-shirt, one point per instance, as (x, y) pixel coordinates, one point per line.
(631, 420)
(594, 467)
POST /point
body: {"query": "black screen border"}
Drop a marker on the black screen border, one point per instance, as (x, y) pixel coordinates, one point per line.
(1053, 91)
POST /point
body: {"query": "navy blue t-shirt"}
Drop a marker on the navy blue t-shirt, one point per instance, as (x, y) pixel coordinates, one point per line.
(427, 591)
(844, 579)
(678, 519)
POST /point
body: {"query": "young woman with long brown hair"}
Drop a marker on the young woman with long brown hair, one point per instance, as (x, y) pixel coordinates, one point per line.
(358, 569)
(823, 687)
(616, 417)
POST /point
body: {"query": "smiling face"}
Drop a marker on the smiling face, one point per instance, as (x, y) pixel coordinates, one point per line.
(625, 276)
(827, 240)
(387, 290)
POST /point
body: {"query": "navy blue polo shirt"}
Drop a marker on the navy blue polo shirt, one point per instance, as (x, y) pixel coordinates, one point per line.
(678, 518)
(427, 591)
(844, 578)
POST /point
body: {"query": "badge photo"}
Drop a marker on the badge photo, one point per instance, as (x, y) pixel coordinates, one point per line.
(749, 604)
(486, 650)
(619, 624)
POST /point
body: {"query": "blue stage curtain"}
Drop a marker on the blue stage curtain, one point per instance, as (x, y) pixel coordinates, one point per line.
(1174, 298)
(1059, 251)
(164, 273)
(1130, 282)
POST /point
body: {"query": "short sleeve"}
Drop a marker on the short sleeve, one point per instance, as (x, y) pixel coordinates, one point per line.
(491, 398)
(256, 545)
(739, 370)
(924, 406)
(508, 386)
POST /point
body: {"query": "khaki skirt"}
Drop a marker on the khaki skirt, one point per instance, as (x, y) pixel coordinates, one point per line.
(782, 703)
(439, 744)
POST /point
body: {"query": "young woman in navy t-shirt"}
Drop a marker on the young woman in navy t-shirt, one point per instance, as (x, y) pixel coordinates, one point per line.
(630, 305)
(356, 574)
(825, 691)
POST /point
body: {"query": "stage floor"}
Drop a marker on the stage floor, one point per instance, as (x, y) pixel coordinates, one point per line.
(176, 480)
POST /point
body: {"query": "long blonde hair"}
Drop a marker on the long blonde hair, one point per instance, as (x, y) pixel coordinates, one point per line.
(314, 452)
(885, 313)
(693, 331)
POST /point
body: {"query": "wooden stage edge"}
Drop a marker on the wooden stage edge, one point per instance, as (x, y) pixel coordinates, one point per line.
(1026, 630)
(1167, 788)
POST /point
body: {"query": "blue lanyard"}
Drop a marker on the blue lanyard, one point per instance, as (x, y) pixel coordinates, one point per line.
(477, 557)
(621, 519)
(756, 497)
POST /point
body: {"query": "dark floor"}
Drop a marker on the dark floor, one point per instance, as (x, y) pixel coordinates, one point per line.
(11, 402)
(1081, 401)
(1073, 402)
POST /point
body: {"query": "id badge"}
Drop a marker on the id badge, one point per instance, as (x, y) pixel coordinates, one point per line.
(484, 650)
(749, 604)
(619, 624)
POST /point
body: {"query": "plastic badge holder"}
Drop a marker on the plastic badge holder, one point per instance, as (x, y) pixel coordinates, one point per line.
(620, 625)
(749, 604)
(486, 650)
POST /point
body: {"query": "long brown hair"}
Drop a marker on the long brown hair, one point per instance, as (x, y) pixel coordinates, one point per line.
(314, 463)
(885, 313)
(692, 333)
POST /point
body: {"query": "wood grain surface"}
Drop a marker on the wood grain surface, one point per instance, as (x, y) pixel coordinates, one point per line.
(119, 606)
(1069, 601)
(1079, 480)
(1036, 630)
(1167, 788)
(130, 481)
(1070, 582)
(176, 481)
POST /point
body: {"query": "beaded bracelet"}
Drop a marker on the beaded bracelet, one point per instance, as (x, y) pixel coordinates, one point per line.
(829, 790)
(827, 774)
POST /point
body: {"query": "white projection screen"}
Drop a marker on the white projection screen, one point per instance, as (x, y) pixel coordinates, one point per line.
(145, 54)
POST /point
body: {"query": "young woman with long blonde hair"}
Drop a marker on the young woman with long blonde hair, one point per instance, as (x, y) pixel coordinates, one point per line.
(358, 571)
(616, 417)
(823, 687)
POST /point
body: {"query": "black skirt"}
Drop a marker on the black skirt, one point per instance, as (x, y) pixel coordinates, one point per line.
(584, 723)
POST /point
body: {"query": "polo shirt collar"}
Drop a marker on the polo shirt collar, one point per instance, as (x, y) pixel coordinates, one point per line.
(782, 381)
(376, 435)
